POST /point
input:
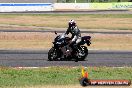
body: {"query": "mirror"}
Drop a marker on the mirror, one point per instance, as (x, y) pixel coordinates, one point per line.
(55, 32)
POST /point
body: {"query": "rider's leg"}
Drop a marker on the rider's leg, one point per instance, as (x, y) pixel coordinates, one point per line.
(74, 46)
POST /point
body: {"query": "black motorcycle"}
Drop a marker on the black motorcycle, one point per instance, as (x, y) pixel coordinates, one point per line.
(62, 51)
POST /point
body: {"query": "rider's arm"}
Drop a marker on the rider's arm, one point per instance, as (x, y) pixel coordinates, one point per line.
(67, 32)
(74, 38)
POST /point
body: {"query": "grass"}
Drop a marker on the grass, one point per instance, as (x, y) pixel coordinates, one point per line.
(68, 15)
(88, 21)
(15, 77)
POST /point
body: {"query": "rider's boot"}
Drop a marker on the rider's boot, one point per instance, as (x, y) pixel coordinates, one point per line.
(75, 51)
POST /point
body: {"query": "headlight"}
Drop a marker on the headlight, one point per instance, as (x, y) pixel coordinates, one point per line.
(58, 42)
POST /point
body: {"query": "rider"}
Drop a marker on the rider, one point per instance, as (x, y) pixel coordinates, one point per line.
(76, 35)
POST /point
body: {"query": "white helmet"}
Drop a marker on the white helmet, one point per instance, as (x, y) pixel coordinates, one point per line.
(71, 23)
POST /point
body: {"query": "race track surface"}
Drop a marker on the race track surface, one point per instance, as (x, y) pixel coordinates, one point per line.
(38, 58)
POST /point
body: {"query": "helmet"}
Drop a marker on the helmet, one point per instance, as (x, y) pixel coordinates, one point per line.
(72, 23)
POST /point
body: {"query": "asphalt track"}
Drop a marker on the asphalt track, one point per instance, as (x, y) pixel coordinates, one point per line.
(38, 58)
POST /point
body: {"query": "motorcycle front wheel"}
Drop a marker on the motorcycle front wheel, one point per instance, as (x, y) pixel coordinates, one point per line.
(53, 54)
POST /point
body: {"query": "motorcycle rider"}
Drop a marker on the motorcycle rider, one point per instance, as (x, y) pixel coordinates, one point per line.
(76, 35)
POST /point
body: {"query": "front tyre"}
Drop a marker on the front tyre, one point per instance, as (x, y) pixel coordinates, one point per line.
(53, 54)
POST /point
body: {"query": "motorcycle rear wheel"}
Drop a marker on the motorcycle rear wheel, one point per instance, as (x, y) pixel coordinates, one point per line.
(85, 53)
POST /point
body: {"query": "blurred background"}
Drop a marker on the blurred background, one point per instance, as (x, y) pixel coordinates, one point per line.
(62, 1)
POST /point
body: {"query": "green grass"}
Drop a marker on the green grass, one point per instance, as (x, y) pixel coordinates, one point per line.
(87, 21)
(10, 77)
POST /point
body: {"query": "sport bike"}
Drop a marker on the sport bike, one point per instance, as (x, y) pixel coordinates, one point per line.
(62, 51)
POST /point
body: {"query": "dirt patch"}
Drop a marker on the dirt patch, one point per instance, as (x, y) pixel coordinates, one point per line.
(38, 40)
(25, 40)
(111, 42)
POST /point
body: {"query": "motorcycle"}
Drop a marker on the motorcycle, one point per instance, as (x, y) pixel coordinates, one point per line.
(62, 51)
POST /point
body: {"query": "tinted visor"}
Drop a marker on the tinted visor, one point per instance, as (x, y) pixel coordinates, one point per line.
(71, 24)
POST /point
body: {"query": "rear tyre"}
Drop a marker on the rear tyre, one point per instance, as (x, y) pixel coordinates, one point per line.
(82, 54)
